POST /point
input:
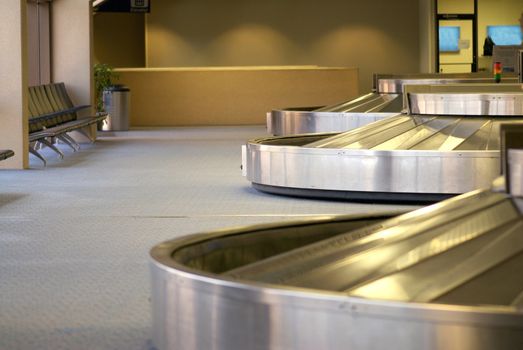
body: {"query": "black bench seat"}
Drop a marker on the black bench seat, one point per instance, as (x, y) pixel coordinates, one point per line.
(52, 116)
(6, 153)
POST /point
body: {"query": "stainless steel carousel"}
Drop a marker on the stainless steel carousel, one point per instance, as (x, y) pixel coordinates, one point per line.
(384, 101)
(447, 145)
(445, 277)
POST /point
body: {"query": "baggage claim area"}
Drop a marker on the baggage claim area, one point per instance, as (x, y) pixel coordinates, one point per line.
(234, 186)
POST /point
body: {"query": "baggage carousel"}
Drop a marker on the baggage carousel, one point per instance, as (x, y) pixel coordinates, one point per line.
(384, 101)
(448, 145)
(445, 277)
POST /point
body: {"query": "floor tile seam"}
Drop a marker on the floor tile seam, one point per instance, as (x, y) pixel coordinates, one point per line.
(188, 216)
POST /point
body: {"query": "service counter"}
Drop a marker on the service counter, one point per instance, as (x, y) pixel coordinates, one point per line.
(230, 95)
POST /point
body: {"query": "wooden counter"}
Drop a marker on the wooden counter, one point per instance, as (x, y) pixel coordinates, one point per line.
(230, 95)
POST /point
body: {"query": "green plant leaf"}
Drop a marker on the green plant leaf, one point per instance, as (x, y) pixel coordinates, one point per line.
(103, 77)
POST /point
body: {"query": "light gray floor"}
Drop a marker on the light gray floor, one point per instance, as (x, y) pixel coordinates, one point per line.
(74, 237)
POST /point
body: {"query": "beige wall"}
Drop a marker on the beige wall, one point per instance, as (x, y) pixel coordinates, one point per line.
(490, 12)
(71, 48)
(456, 6)
(230, 96)
(495, 12)
(460, 61)
(13, 75)
(375, 36)
(119, 39)
(71, 52)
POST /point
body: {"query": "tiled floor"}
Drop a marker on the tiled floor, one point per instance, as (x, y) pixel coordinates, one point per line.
(74, 237)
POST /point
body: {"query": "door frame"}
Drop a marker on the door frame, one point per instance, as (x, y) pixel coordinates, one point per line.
(458, 16)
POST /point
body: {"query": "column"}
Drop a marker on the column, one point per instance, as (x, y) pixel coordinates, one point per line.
(13, 92)
(72, 47)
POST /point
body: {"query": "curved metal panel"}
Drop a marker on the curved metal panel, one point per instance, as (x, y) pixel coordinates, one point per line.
(386, 100)
(442, 277)
(501, 104)
(414, 172)
(403, 158)
(387, 84)
(283, 122)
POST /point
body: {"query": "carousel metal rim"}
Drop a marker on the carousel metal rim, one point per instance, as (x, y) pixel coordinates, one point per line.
(309, 134)
(443, 76)
(490, 93)
(382, 197)
(390, 84)
(160, 258)
(259, 167)
(258, 146)
(467, 96)
(283, 113)
(241, 291)
(160, 250)
(282, 122)
(420, 80)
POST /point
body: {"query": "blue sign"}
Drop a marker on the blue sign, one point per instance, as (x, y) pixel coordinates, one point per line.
(505, 35)
(449, 39)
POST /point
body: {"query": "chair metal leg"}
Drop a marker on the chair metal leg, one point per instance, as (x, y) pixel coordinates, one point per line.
(53, 147)
(73, 141)
(64, 139)
(38, 155)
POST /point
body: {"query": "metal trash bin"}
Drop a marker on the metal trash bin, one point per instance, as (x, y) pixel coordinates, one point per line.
(116, 99)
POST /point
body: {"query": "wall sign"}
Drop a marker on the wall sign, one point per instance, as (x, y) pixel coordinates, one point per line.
(124, 6)
(140, 6)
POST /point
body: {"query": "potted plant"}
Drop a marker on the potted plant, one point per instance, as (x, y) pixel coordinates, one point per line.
(103, 77)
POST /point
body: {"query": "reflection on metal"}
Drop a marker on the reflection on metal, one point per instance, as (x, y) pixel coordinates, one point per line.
(386, 100)
(443, 277)
(442, 259)
(392, 83)
(401, 158)
(370, 103)
(502, 104)
(292, 122)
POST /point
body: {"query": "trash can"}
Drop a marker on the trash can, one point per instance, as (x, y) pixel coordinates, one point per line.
(116, 99)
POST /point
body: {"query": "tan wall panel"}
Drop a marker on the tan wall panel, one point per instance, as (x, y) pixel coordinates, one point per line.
(375, 36)
(72, 50)
(174, 97)
(71, 47)
(119, 39)
(495, 12)
(465, 55)
(14, 76)
(456, 6)
(427, 42)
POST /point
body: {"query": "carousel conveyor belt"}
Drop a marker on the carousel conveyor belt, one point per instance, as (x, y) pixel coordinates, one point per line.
(452, 269)
(419, 157)
(385, 101)
(403, 158)
(369, 103)
(473, 237)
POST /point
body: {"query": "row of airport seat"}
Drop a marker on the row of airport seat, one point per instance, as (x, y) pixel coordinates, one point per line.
(52, 115)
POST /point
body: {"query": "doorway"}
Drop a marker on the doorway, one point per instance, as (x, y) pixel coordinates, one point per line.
(456, 36)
